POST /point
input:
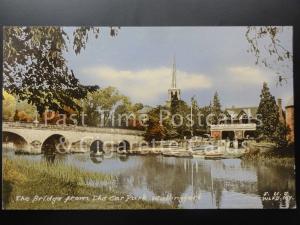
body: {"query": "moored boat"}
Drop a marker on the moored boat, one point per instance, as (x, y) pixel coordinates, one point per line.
(177, 153)
(199, 155)
(207, 151)
(213, 152)
(232, 153)
(232, 156)
(214, 155)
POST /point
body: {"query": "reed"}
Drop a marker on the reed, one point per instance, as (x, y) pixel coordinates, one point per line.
(273, 159)
(30, 178)
(60, 171)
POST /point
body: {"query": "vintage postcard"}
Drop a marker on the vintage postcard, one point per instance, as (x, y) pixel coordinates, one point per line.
(148, 117)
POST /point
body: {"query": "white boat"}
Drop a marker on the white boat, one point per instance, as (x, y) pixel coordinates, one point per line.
(201, 151)
(214, 152)
(198, 155)
(179, 153)
(204, 148)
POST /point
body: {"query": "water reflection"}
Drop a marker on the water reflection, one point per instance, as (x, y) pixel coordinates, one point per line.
(53, 157)
(49, 157)
(228, 183)
(177, 177)
(123, 158)
(275, 185)
(96, 159)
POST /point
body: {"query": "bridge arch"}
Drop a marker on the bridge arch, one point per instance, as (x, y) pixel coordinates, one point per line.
(14, 140)
(97, 146)
(55, 143)
(124, 146)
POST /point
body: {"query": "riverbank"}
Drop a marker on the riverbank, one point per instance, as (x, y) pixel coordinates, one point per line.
(283, 158)
(41, 185)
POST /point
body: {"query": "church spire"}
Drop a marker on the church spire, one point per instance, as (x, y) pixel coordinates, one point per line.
(174, 92)
(174, 74)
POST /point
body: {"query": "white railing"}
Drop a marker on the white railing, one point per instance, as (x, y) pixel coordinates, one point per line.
(230, 127)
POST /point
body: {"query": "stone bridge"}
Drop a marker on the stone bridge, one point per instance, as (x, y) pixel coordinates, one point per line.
(36, 139)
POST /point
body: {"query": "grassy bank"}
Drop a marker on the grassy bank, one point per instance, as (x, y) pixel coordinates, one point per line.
(273, 158)
(59, 186)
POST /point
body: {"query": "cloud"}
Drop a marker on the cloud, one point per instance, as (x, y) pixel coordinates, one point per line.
(146, 85)
(248, 75)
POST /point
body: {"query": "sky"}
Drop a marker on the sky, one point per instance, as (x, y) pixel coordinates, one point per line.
(138, 61)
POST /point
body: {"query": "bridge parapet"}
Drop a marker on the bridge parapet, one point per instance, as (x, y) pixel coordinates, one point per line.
(105, 130)
(28, 138)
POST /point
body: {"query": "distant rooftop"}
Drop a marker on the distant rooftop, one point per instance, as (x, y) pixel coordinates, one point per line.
(235, 111)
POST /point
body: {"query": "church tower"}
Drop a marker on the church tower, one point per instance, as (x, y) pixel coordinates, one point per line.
(173, 92)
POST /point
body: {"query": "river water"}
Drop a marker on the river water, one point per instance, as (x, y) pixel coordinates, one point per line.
(193, 183)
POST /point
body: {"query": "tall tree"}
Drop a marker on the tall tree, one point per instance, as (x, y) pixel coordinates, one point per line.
(201, 125)
(268, 112)
(106, 99)
(154, 130)
(216, 108)
(182, 110)
(35, 68)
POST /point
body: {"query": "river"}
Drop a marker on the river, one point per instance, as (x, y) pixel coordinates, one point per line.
(193, 183)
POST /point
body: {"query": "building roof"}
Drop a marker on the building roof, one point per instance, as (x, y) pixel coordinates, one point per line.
(290, 102)
(236, 111)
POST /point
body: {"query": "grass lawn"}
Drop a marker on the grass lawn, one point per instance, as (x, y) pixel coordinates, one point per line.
(40, 185)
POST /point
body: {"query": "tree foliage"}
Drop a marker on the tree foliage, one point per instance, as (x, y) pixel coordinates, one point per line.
(216, 109)
(16, 110)
(201, 123)
(280, 135)
(35, 68)
(27, 111)
(106, 99)
(154, 129)
(270, 128)
(8, 106)
(268, 112)
(266, 45)
(181, 108)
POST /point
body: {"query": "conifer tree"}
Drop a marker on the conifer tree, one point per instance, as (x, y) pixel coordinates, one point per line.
(280, 135)
(216, 108)
(268, 112)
